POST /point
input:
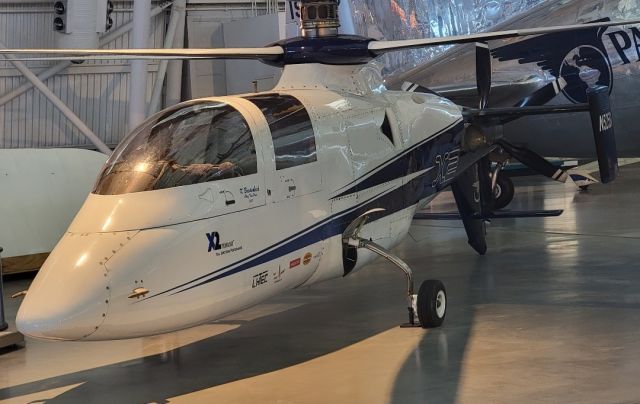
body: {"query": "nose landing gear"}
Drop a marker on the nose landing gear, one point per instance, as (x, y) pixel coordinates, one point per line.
(429, 305)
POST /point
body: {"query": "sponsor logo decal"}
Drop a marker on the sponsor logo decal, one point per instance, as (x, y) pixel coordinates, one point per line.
(250, 193)
(214, 241)
(260, 279)
(277, 275)
(294, 263)
(307, 258)
(221, 248)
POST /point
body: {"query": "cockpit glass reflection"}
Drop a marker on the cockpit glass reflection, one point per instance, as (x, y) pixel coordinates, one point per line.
(191, 143)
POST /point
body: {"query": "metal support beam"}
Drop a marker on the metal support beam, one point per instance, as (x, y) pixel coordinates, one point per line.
(346, 19)
(178, 13)
(138, 82)
(57, 102)
(173, 92)
(26, 86)
(59, 67)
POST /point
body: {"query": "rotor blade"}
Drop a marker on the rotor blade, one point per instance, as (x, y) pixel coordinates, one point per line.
(483, 73)
(543, 95)
(380, 47)
(267, 53)
(534, 161)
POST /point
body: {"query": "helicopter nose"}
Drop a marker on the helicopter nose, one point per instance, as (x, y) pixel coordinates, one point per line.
(69, 298)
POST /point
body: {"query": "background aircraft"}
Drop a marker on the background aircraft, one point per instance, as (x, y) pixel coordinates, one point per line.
(546, 70)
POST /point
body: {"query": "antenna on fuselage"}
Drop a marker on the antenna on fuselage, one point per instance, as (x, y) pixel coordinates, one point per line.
(319, 18)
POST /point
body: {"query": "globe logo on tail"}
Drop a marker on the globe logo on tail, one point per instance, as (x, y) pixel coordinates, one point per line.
(585, 66)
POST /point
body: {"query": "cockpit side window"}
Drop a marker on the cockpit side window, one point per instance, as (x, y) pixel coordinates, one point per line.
(291, 129)
(189, 144)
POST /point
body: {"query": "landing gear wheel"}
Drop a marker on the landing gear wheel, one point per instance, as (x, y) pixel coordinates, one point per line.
(432, 304)
(504, 192)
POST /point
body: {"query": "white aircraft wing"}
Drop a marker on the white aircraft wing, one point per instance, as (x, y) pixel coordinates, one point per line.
(381, 47)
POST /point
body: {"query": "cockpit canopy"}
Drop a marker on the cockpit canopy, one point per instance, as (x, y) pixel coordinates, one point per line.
(191, 143)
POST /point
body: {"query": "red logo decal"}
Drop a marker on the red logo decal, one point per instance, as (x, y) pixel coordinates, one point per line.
(294, 263)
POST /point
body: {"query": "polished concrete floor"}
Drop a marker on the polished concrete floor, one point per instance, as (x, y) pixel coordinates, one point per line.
(550, 315)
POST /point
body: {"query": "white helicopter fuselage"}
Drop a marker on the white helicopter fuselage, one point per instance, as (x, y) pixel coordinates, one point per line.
(141, 263)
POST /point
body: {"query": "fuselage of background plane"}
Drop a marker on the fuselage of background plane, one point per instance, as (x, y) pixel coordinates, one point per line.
(522, 66)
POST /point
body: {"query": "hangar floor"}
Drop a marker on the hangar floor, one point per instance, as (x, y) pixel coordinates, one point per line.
(550, 314)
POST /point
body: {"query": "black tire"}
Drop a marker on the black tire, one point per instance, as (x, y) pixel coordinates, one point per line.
(504, 192)
(432, 304)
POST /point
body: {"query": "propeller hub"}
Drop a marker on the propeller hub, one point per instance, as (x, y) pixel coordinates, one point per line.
(319, 18)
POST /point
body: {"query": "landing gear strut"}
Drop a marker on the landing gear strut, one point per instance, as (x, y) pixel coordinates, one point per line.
(503, 191)
(429, 305)
(501, 186)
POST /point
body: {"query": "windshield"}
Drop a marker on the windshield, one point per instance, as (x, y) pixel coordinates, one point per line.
(196, 142)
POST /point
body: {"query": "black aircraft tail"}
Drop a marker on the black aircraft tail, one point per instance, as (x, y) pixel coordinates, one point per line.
(602, 123)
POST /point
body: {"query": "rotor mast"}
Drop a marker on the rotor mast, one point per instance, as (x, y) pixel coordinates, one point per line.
(319, 18)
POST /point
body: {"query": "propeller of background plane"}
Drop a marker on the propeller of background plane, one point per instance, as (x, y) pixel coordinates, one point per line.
(598, 106)
(540, 97)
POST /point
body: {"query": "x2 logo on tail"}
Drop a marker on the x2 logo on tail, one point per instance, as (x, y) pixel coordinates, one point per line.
(214, 241)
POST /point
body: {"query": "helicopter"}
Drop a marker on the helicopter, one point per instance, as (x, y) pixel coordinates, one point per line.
(216, 204)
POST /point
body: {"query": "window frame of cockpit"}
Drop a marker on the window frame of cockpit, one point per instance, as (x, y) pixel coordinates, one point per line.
(254, 147)
(305, 117)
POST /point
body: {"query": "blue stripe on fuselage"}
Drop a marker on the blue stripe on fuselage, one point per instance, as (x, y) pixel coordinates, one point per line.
(410, 161)
(418, 158)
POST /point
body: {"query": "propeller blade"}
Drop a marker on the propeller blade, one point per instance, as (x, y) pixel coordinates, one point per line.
(484, 187)
(602, 122)
(466, 194)
(267, 53)
(381, 47)
(483, 73)
(543, 95)
(534, 161)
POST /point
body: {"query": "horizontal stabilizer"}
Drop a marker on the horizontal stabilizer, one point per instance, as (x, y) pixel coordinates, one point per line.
(437, 216)
(514, 214)
(511, 214)
(508, 114)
